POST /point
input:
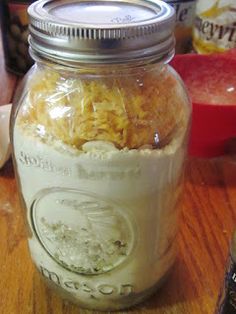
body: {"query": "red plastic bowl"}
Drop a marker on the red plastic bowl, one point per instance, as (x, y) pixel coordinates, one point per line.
(211, 82)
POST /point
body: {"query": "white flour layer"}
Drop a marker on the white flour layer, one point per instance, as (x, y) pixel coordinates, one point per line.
(102, 222)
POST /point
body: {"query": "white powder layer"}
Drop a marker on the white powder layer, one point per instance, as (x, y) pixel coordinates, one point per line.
(103, 221)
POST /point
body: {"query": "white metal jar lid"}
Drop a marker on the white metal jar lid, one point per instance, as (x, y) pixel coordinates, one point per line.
(101, 31)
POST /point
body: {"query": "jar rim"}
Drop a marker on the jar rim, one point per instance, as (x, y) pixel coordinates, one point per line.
(117, 31)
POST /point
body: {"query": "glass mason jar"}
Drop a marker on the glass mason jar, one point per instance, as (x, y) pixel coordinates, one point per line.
(99, 130)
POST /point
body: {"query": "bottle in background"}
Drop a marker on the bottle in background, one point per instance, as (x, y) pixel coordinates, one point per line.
(185, 13)
(214, 26)
(14, 27)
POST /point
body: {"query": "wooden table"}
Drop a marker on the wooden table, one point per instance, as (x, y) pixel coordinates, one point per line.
(207, 220)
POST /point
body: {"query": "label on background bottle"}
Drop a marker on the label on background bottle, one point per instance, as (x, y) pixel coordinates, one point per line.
(214, 26)
(18, 11)
(185, 11)
(227, 300)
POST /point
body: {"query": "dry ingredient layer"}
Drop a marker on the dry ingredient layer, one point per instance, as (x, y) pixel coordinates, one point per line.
(128, 111)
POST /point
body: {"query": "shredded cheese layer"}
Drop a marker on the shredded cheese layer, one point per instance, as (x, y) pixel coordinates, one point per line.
(129, 111)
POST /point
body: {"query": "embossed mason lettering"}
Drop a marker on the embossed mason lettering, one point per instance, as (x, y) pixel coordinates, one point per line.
(50, 275)
(104, 289)
(126, 289)
(72, 285)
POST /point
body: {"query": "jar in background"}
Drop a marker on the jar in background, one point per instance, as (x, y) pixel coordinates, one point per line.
(185, 13)
(227, 300)
(99, 140)
(214, 26)
(15, 35)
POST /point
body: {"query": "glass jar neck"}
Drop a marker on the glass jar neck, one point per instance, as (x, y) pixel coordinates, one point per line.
(95, 68)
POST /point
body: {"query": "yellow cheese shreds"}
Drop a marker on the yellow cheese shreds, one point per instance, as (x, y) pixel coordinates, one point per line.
(215, 10)
(128, 111)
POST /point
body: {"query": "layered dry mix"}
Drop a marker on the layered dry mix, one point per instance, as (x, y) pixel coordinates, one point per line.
(129, 111)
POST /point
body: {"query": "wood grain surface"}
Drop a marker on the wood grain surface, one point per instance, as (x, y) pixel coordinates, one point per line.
(207, 221)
